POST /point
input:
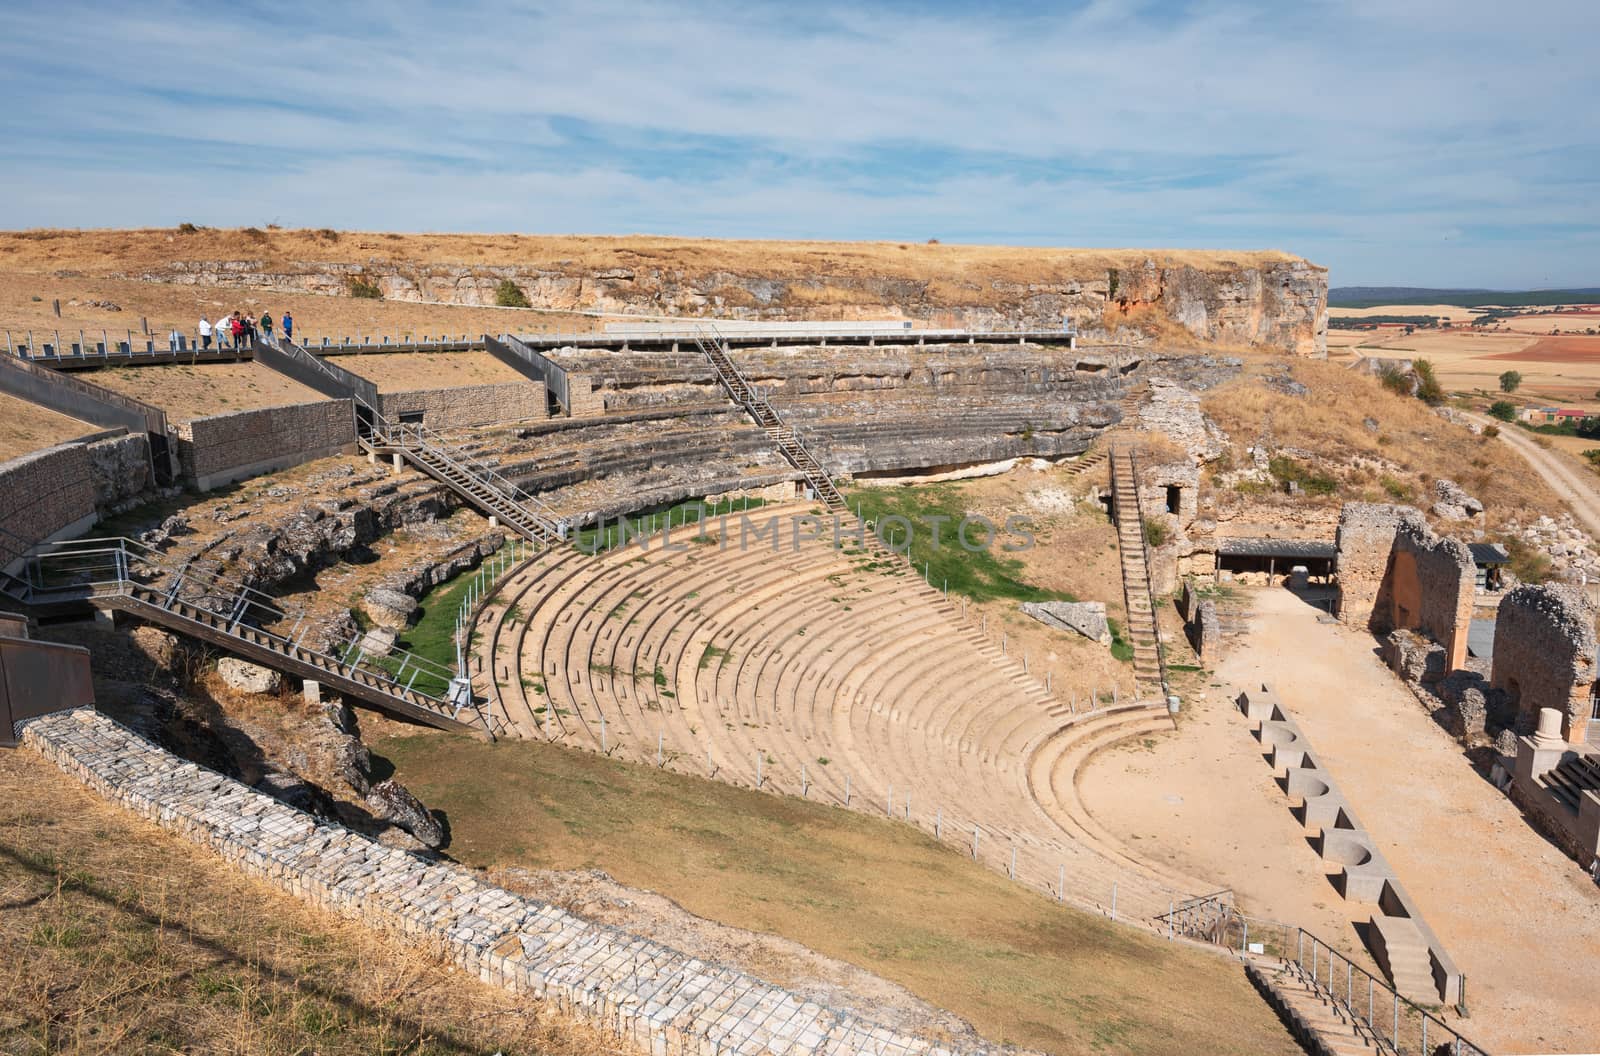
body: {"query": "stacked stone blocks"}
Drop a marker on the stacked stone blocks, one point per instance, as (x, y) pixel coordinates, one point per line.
(228, 447)
(650, 995)
(470, 405)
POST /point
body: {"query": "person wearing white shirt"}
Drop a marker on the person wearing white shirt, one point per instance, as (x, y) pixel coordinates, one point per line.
(205, 332)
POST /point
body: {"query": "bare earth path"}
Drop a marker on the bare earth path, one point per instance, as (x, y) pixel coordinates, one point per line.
(1520, 918)
(1576, 488)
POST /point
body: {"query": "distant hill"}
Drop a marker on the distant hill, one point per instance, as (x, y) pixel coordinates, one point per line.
(1372, 296)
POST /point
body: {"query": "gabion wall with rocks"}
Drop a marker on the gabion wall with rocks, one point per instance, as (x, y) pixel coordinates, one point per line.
(469, 405)
(60, 490)
(651, 996)
(1544, 655)
(224, 448)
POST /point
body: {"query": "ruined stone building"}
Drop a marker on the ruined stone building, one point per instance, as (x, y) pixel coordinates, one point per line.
(1395, 574)
(1544, 656)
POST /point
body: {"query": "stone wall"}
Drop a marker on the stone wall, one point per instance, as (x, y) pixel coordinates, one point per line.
(48, 494)
(120, 470)
(1365, 540)
(1395, 574)
(469, 405)
(652, 997)
(227, 447)
(1544, 655)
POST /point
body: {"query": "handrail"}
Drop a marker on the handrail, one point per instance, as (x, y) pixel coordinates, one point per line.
(397, 434)
(1149, 593)
(766, 415)
(1318, 965)
(127, 559)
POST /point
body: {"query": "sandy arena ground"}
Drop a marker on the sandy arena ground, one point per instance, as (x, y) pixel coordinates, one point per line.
(401, 371)
(27, 427)
(193, 391)
(1520, 918)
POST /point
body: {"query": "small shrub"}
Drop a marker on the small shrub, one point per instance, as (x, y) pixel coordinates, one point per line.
(254, 234)
(327, 234)
(509, 295)
(1593, 457)
(1504, 410)
(1396, 489)
(1288, 471)
(1113, 283)
(1155, 531)
(1395, 380)
(1491, 431)
(187, 228)
(1528, 563)
(1509, 381)
(364, 290)
(1429, 391)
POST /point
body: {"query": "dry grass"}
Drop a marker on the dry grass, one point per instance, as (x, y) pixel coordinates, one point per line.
(167, 305)
(26, 427)
(400, 371)
(877, 894)
(1410, 445)
(117, 937)
(202, 389)
(99, 251)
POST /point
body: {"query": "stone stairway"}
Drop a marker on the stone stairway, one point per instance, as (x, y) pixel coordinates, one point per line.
(126, 576)
(1335, 1028)
(1569, 781)
(1089, 461)
(766, 416)
(1149, 665)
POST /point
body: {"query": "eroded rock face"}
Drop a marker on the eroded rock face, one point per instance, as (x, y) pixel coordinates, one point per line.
(1087, 618)
(1453, 503)
(247, 677)
(392, 802)
(1258, 301)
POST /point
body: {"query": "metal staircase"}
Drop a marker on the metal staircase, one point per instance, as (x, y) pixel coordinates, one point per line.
(127, 576)
(474, 480)
(1149, 661)
(766, 416)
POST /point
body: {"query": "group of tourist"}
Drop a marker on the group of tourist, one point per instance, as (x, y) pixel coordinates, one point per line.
(240, 329)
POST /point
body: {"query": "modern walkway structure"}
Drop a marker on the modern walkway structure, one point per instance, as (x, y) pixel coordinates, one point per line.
(126, 576)
(767, 417)
(833, 673)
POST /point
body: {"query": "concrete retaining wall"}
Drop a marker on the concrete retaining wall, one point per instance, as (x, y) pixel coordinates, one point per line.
(469, 405)
(228, 447)
(651, 996)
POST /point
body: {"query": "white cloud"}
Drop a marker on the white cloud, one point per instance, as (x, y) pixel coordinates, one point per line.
(1367, 135)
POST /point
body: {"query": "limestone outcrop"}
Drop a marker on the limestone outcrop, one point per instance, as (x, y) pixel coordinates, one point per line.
(1263, 300)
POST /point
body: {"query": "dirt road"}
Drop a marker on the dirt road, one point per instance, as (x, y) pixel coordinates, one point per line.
(1576, 486)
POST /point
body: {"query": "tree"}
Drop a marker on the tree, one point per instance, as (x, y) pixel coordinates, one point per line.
(1509, 381)
(1504, 410)
(1429, 391)
(509, 295)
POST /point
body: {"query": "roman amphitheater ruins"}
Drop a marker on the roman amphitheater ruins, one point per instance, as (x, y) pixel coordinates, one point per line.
(1046, 573)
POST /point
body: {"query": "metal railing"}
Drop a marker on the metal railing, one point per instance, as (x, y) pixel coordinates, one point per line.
(84, 569)
(1375, 1011)
(755, 401)
(417, 438)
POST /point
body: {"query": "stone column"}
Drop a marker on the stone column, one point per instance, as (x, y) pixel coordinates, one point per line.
(1545, 750)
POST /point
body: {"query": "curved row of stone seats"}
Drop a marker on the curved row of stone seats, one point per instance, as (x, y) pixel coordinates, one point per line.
(807, 672)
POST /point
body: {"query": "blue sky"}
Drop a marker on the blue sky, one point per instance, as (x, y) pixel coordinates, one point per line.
(1422, 142)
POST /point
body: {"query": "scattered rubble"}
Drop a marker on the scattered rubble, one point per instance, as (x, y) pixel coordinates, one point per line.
(1453, 503)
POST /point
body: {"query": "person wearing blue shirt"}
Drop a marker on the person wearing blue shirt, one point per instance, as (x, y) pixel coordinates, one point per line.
(288, 327)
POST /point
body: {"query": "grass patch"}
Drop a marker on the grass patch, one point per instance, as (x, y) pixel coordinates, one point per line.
(881, 895)
(983, 574)
(1291, 471)
(618, 531)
